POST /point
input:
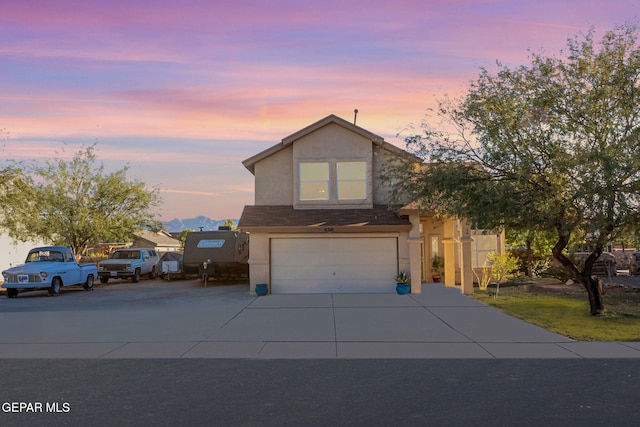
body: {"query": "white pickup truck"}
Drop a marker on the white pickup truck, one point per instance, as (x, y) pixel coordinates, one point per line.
(50, 268)
(129, 263)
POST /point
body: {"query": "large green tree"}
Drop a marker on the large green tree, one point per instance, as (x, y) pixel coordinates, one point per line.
(74, 202)
(549, 146)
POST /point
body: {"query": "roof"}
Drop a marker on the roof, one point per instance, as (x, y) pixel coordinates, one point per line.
(159, 239)
(50, 248)
(375, 139)
(416, 207)
(320, 220)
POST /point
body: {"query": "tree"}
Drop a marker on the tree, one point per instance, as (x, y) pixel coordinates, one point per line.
(502, 267)
(551, 146)
(74, 203)
(230, 223)
(183, 235)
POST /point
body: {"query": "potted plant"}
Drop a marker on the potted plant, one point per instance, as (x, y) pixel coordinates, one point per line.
(402, 283)
(437, 263)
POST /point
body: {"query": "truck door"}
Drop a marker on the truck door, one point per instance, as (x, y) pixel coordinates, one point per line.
(72, 270)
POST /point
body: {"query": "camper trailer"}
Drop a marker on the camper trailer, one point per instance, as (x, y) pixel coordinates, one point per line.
(218, 254)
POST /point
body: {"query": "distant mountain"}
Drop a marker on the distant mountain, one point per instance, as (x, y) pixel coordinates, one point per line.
(207, 224)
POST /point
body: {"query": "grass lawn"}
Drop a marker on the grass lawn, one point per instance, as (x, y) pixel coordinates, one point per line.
(564, 309)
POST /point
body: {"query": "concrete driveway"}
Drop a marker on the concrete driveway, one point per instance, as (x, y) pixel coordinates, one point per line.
(183, 319)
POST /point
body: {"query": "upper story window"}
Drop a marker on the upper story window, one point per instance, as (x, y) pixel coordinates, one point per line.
(333, 182)
(351, 180)
(314, 181)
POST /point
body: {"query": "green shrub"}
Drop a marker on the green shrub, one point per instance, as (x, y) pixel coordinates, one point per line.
(485, 278)
(539, 262)
(503, 267)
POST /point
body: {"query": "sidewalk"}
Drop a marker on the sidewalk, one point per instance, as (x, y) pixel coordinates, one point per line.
(226, 322)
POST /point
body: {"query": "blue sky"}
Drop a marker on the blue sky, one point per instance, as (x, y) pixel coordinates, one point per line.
(184, 90)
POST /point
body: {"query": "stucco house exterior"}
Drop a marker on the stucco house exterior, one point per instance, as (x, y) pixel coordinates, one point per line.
(321, 222)
(15, 252)
(159, 240)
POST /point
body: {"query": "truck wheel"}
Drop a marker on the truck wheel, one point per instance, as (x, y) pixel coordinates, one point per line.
(104, 280)
(12, 293)
(153, 273)
(136, 276)
(54, 289)
(88, 286)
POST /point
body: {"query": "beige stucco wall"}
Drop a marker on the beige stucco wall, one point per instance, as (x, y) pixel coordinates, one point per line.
(258, 260)
(403, 253)
(274, 179)
(332, 143)
(382, 189)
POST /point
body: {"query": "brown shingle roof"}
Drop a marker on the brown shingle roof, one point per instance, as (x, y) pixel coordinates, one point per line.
(287, 216)
(159, 239)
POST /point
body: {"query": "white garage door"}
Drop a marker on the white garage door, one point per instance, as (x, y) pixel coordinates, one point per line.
(334, 265)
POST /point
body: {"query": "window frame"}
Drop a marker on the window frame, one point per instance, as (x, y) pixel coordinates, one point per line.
(364, 180)
(333, 197)
(301, 182)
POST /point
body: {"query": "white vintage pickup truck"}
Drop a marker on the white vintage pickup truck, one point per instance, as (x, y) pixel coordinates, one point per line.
(50, 268)
(129, 263)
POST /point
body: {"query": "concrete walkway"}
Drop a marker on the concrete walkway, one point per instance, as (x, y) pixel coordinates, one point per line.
(226, 322)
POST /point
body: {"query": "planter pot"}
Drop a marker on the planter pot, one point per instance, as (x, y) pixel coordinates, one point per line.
(402, 288)
(262, 289)
(435, 279)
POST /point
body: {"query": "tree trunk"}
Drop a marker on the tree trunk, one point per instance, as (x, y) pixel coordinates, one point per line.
(590, 283)
(595, 297)
(529, 258)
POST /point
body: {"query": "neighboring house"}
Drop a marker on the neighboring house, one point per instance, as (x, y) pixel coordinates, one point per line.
(160, 240)
(321, 221)
(13, 252)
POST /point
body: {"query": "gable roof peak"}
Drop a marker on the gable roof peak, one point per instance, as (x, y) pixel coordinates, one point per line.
(332, 118)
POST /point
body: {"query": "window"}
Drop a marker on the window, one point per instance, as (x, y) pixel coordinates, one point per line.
(352, 180)
(435, 246)
(314, 181)
(333, 183)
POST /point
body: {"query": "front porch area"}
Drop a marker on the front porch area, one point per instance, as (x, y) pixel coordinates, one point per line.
(448, 251)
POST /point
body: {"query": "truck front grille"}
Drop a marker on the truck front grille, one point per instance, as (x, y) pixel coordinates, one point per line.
(114, 267)
(33, 278)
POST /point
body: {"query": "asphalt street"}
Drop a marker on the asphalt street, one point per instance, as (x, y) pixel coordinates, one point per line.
(322, 392)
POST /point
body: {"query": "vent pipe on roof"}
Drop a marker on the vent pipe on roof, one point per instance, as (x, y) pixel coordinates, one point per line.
(355, 116)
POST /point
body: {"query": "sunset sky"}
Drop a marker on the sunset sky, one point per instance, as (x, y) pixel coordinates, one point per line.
(184, 90)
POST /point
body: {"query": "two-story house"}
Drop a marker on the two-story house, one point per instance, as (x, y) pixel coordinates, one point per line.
(321, 222)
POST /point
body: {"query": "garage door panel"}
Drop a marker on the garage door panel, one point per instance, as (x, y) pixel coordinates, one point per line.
(320, 265)
(343, 273)
(321, 254)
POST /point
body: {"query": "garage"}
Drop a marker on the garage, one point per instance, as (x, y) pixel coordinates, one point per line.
(333, 264)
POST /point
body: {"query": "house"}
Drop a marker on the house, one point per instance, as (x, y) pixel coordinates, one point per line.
(321, 222)
(14, 252)
(159, 240)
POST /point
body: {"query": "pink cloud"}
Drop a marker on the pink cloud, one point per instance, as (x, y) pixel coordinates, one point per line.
(231, 78)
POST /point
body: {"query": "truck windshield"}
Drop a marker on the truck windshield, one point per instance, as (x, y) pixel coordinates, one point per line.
(126, 255)
(45, 256)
